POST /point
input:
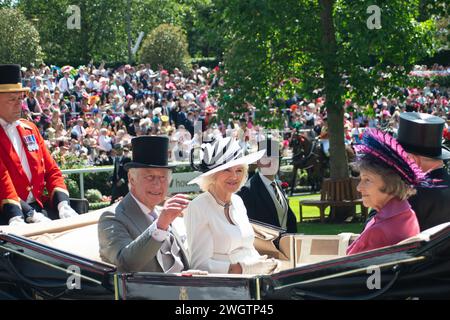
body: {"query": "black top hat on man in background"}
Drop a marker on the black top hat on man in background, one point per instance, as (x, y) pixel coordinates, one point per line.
(11, 79)
(421, 134)
(149, 152)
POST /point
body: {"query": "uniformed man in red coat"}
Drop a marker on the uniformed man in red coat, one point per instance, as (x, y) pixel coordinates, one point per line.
(30, 178)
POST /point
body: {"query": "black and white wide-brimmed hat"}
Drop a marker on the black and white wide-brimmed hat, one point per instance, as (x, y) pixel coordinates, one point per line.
(221, 154)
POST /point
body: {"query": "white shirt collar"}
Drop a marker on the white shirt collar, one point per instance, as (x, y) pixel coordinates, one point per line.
(5, 124)
(265, 180)
(142, 206)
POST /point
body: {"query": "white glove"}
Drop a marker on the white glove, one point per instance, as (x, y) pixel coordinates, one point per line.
(37, 217)
(16, 221)
(260, 266)
(65, 211)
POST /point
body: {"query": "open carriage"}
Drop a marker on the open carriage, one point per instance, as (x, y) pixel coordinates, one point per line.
(60, 259)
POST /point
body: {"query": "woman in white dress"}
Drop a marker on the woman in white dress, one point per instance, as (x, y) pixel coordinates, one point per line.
(220, 236)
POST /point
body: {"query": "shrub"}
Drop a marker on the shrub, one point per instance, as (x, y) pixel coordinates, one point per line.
(443, 81)
(98, 205)
(73, 188)
(182, 168)
(166, 45)
(93, 195)
(19, 40)
(99, 181)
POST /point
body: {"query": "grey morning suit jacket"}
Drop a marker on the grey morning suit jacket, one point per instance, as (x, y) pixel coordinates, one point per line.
(124, 243)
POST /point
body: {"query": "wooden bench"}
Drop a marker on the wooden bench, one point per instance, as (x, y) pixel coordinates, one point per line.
(336, 193)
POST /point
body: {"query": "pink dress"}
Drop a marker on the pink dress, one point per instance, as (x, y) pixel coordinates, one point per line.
(395, 222)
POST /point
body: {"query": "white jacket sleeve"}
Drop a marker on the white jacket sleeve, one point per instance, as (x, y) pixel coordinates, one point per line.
(201, 241)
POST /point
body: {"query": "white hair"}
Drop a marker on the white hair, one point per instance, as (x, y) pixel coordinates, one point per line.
(205, 182)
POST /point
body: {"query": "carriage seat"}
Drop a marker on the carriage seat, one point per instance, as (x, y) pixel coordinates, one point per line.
(309, 249)
(77, 235)
(296, 250)
(81, 241)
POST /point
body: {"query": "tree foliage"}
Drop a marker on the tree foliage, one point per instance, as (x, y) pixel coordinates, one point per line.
(19, 40)
(277, 50)
(316, 48)
(102, 34)
(167, 46)
(203, 23)
(106, 29)
(7, 3)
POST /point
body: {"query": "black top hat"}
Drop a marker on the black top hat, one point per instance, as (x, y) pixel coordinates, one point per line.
(11, 78)
(149, 152)
(421, 134)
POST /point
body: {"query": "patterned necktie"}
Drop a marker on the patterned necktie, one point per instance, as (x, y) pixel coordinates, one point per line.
(277, 194)
(169, 255)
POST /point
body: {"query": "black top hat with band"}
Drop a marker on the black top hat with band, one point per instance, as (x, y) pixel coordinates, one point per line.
(421, 134)
(149, 152)
(11, 78)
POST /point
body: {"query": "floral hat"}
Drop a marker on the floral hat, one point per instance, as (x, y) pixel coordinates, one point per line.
(382, 148)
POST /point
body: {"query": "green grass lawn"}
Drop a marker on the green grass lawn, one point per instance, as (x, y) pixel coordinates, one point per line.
(314, 226)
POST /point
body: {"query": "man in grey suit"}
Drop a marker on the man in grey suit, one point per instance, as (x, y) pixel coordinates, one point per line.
(138, 236)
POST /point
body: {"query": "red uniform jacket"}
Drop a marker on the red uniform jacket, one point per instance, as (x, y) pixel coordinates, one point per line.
(44, 170)
(8, 193)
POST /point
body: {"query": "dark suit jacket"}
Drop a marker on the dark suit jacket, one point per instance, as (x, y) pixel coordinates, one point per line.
(77, 107)
(260, 205)
(124, 241)
(119, 173)
(432, 205)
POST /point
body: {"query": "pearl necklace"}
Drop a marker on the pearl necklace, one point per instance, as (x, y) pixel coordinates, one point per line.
(221, 203)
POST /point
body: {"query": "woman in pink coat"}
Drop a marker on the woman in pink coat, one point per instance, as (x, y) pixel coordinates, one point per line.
(388, 178)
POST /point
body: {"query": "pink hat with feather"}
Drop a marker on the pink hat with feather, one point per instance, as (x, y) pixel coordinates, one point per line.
(383, 149)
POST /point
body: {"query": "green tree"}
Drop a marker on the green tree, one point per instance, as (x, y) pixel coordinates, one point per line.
(102, 35)
(7, 3)
(19, 40)
(108, 28)
(327, 45)
(202, 21)
(166, 45)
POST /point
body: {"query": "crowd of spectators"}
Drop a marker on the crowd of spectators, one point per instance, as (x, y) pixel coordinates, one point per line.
(88, 112)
